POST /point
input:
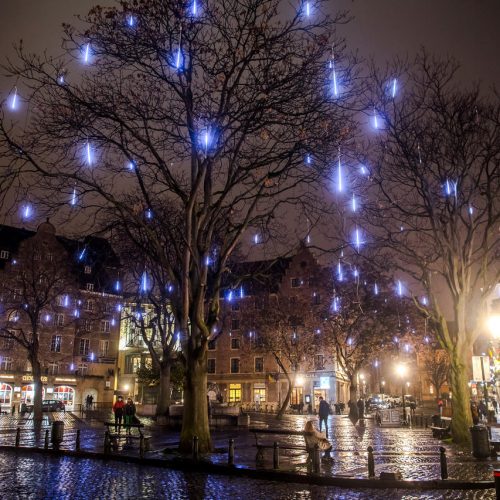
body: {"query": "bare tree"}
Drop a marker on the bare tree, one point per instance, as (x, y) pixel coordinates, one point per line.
(226, 116)
(436, 367)
(33, 285)
(435, 195)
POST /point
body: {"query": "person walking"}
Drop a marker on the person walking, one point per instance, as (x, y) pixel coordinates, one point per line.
(118, 411)
(129, 411)
(361, 409)
(312, 438)
(324, 412)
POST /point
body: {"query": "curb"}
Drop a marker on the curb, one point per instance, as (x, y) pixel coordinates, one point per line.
(268, 475)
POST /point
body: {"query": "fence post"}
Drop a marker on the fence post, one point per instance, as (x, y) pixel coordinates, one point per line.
(230, 453)
(195, 448)
(46, 444)
(107, 443)
(77, 444)
(371, 462)
(316, 459)
(18, 437)
(443, 462)
(276, 456)
(141, 446)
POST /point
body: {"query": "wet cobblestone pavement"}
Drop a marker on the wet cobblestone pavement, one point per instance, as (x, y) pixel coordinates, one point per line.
(413, 452)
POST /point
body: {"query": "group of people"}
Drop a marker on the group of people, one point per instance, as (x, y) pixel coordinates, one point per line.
(124, 411)
(479, 410)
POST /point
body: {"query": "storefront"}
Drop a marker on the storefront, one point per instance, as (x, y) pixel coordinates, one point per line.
(6, 395)
(235, 393)
(66, 394)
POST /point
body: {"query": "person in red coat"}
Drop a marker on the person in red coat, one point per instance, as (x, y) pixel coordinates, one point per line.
(118, 409)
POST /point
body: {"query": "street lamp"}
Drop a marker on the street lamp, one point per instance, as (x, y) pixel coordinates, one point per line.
(493, 324)
(402, 370)
(382, 387)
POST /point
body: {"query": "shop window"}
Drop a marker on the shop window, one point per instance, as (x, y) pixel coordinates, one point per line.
(5, 394)
(210, 365)
(84, 347)
(55, 343)
(6, 363)
(259, 395)
(234, 393)
(65, 394)
(259, 365)
(235, 365)
(235, 343)
(28, 393)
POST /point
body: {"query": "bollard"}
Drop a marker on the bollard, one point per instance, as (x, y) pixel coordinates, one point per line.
(316, 459)
(371, 462)
(195, 448)
(444, 464)
(230, 453)
(77, 444)
(141, 446)
(496, 477)
(107, 443)
(276, 456)
(18, 437)
(46, 444)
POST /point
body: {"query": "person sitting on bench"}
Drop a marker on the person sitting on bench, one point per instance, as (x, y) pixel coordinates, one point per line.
(313, 437)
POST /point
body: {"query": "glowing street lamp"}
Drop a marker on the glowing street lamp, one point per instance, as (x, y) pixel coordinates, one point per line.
(401, 371)
(493, 324)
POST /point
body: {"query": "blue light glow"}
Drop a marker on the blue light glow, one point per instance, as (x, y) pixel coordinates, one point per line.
(340, 181)
(242, 294)
(354, 204)
(92, 356)
(334, 78)
(356, 273)
(256, 239)
(113, 321)
(358, 241)
(86, 53)
(308, 239)
(130, 20)
(194, 8)
(340, 274)
(394, 87)
(308, 159)
(230, 296)
(89, 155)
(119, 307)
(400, 289)
(130, 165)
(207, 260)
(376, 124)
(471, 210)
(424, 301)
(363, 170)
(47, 318)
(76, 313)
(66, 301)
(74, 198)
(149, 214)
(336, 304)
(60, 80)
(118, 286)
(14, 100)
(308, 9)
(375, 289)
(82, 254)
(26, 211)
(144, 282)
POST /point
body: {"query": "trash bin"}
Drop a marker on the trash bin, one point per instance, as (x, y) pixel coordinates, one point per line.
(57, 432)
(436, 420)
(480, 441)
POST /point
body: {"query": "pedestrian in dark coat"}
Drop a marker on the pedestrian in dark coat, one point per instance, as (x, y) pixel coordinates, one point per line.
(361, 408)
(324, 412)
(129, 411)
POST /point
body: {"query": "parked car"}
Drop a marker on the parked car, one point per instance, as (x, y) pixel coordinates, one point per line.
(48, 405)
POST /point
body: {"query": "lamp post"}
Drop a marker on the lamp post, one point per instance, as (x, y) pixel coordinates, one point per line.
(382, 387)
(402, 370)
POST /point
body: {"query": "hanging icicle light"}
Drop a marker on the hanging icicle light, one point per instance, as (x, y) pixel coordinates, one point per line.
(130, 21)
(195, 8)
(357, 240)
(340, 180)
(74, 198)
(26, 211)
(131, 166)
(336, 304)
(308, 159)
(394, 88)
(230, 296)
(113, 321)
(14, 100)
(144, 282)
(340, 274)
(376, 124)
(86, 53)
(307, 8)
(149, 214)
(424, 301)
(400, 289)
(354, 203)
(242, 294)
(256, 239)
(81, 255)
(89, 154)
(375, 289)
(118, 286)
(335, 85)
(178, 57)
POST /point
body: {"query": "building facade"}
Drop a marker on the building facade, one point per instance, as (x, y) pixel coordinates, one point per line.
(78, 328)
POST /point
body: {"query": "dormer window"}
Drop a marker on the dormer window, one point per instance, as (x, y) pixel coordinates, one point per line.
(90, 287)
(87, 269)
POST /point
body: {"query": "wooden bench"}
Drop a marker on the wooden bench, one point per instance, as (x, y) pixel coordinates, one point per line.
(443, 430)
(263, 445)
(114, 436)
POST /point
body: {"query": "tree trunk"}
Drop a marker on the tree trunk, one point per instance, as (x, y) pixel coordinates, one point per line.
(353, 398)
(37, 385)
(164, 390)
(462, 418)
(288, 396)
(195, 416)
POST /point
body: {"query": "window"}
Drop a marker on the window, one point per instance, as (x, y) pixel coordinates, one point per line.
(235, 324)
(259, 394)
(83, 368)
(132, 364)
(87, 325)
(319, 362)
(4, 254)
(211, 345)
(53, 368)
(235, 306)
(90, 287)
(59, 319)
(103, 348)
(234, 393)
(60, 299)
(210, 365)
(7, 344)
(55, 343)
(37, 256)
(6, 363)
(5, 394)
(316, 299)
(50, 257)
(84, 347)
(259, 365)
(89, 305)
(87, 270)
(105, 326)
(295, 282)
(235, 343)
(235, 365)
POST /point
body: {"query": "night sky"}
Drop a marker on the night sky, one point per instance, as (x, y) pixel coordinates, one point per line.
(466, 29)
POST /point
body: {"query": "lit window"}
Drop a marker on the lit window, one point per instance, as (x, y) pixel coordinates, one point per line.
(87, 270)
(4, 254)
(234, 393)
(259, 395)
